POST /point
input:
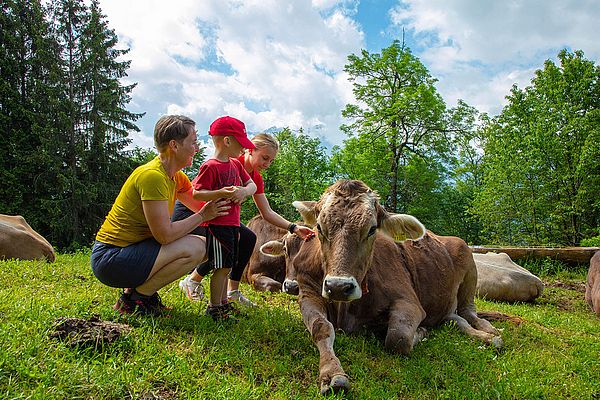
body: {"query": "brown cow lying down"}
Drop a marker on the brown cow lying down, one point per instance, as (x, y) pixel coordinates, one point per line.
(265, 273)
(352, 278)
(18, 240)
(268, 273)
(499, 278)
(592, 285)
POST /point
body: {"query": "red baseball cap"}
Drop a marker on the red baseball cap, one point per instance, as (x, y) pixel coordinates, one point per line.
(229, 126)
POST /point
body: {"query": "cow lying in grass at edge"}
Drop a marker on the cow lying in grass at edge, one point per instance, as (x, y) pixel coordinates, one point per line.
(353, 276)
(500, 278)
(18, 240)
(592, 284)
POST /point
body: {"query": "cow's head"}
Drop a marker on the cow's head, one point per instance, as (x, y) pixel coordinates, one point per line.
(288, 246)
(347, 218)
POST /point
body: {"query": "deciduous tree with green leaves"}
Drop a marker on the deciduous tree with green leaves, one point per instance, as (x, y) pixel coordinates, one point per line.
(300, 172)
(397, 106)
(542, 176)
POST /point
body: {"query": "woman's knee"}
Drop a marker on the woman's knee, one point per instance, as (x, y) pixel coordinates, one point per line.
(196, 249)
(190, 247)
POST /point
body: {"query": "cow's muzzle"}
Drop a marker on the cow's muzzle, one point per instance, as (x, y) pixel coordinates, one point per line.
(290, 287)
(341, 288)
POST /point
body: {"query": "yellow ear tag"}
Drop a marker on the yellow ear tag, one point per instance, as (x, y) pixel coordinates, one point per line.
(399, 237)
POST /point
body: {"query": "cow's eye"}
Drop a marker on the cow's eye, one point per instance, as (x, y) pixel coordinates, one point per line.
(320, 232)
(372, 231)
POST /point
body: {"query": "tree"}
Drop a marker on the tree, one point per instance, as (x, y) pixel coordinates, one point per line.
(300, 172)
(363, 159)
(398, 107)
(87, 163)
(542, 176)
(65, 126)
(29, 108)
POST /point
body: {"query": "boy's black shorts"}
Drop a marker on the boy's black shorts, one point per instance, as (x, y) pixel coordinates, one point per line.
(222, 242)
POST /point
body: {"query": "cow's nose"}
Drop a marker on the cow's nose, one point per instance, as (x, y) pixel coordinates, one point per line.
(341, 288)
(290, 287)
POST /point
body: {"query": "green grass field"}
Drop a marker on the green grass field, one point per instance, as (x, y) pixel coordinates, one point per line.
(268, 354)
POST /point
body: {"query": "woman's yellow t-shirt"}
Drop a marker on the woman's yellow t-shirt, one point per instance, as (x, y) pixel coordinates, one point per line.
(125, 223)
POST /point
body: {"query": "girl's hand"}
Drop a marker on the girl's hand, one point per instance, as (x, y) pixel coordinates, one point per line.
(304, 232)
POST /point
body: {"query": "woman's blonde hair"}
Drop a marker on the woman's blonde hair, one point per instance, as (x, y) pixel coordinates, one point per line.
(265, 140)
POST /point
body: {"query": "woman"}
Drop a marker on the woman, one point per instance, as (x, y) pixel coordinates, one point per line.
(254, 161)
(137, 246)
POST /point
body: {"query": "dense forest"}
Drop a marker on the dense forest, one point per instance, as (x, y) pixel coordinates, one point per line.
(528, 176)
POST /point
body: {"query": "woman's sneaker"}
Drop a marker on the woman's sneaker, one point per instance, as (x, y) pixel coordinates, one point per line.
(192, 289)
(236, 295)
(147, 305)
(156, 302)
(124, 304)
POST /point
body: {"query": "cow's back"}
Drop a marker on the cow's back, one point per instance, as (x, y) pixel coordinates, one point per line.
(500, 278)
(438, 266)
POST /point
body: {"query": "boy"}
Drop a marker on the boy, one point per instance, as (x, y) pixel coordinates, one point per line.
(223, 176)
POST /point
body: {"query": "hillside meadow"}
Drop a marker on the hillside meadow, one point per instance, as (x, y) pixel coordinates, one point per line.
(551, 347)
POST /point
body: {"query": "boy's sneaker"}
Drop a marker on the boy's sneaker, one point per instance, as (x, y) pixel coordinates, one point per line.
(231, 309)
(236, 295)
(216, 312)
(192, 289)
(124, 304)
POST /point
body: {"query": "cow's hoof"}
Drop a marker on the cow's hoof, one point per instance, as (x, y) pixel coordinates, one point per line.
(338, 383)
(497, 342)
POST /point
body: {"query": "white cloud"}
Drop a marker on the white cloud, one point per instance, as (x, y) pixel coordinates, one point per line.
(479, 49)
(275, 63)
(267, 62)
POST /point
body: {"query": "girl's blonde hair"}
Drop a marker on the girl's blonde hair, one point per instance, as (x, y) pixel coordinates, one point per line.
(265, 140)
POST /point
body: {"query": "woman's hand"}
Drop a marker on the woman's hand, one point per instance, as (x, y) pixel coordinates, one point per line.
(214, 208)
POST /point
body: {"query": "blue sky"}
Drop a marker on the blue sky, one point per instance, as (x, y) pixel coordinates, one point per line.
(275, 63)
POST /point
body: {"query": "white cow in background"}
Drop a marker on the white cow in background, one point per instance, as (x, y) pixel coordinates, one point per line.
(499, 278)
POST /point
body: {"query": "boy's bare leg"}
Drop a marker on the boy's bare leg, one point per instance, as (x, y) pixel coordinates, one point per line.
(218, 284)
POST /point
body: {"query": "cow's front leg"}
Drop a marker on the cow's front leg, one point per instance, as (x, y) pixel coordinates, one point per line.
(331, 374)
(403, 327)
(263, 283)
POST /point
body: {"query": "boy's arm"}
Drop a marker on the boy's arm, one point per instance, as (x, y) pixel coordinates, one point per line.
(244, 191)
(207, 195)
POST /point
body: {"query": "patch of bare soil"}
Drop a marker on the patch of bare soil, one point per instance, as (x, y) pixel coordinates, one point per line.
(91, 332)
(160, 394)
(576, 286)
(498, 316)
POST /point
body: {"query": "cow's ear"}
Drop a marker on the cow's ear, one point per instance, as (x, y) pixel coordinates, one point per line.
(273, 248)
(402, 226)
(307, 210)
